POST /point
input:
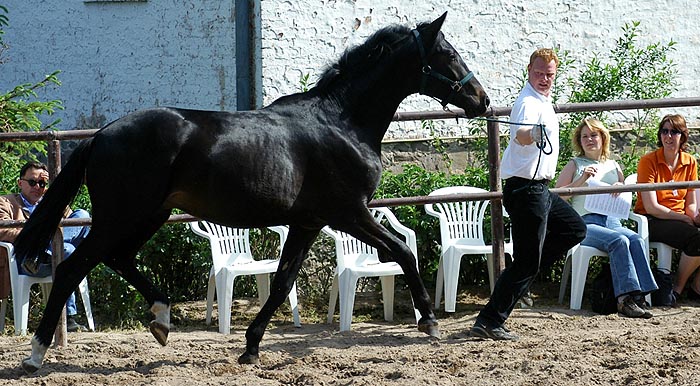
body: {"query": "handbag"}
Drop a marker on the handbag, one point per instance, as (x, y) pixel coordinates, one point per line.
(602, 294)
(663, 296)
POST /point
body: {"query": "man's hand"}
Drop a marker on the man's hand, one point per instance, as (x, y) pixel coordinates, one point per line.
(536, 134)
(44, 175)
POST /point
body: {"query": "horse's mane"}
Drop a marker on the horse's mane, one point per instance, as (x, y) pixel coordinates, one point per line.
(358, 59)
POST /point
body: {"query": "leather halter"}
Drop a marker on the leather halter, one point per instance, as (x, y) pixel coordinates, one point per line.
(428, 71)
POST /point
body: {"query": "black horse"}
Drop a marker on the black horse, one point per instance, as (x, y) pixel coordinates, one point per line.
(307, 160)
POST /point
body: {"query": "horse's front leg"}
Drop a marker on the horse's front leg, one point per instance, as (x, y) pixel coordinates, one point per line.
(293, 254)
(370, 232)
(404, 257)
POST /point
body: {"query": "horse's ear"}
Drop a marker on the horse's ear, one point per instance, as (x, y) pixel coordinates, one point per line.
(430, 31)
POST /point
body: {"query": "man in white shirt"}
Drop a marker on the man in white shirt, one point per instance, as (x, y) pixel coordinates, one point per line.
(544, 226)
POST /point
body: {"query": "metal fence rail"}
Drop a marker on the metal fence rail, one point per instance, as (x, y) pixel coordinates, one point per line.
(493, 131)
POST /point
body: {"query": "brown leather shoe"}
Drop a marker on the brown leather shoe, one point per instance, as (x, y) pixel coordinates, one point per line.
(73, 326)
(630, 309)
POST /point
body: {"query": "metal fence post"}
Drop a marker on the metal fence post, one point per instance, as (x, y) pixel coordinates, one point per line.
(54, 165)
(497, 231)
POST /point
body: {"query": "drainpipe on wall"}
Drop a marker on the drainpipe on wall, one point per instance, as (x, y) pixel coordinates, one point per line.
(248, 55)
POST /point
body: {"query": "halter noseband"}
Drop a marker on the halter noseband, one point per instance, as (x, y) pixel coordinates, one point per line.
(428, 71)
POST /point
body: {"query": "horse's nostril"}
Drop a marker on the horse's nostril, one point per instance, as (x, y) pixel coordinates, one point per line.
(487, 101)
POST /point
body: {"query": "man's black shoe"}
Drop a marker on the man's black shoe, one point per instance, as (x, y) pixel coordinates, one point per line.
(73, 326)
(692, 295)
(527, 300)
(495, 333)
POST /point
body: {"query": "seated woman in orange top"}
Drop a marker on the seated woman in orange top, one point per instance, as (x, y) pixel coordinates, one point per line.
(672, 214)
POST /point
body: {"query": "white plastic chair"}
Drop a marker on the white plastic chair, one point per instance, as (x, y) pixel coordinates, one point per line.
(461, 233)
(356, 259)
(664, 252)
(578, 259)
(20, 287)
(232, 257)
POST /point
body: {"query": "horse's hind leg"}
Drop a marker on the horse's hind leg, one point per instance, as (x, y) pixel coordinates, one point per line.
(68, 275)
(159, 302)
(369, 231)
(295, 249)
(121, 260)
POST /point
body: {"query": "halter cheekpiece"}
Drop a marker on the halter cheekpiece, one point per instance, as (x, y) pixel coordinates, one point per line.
(428, 71)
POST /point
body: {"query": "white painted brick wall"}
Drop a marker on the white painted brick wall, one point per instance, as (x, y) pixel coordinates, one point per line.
(117, 57)
(121, 56)
(495, 38)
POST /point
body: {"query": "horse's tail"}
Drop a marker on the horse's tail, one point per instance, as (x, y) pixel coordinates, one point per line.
(39, 229)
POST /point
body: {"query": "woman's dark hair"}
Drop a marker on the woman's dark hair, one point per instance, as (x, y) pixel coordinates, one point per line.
(676, 121)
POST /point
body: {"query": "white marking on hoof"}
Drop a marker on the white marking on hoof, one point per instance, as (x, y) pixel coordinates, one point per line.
(162, 313)
(160, 327)
(33, 363)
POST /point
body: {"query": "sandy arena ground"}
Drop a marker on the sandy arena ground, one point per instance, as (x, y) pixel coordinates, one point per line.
(557, 347)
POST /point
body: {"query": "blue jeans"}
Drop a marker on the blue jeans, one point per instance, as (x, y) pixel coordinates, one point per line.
(630, 269)
(544, 227)
(72, 237)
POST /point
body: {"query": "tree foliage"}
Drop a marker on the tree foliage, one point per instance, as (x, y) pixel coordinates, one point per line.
(21, 111)
(627, 72)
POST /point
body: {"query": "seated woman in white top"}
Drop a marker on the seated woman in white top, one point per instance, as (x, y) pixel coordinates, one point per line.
(632, 276)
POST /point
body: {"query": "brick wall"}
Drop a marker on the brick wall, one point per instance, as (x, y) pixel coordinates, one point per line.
(117, 57)
(495, 38)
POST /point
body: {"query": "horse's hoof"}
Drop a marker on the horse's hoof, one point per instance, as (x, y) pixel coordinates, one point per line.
(160, 332)
(29, 366)
(430, 328)
(248, 359)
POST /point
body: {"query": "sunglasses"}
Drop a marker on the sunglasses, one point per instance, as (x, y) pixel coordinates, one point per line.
(667, 132)
(42, 184)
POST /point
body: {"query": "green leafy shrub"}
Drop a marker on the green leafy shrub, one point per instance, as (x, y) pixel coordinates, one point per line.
(627, 72)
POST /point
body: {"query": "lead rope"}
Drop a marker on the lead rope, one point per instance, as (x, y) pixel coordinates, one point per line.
(455, 86)
(545, 145)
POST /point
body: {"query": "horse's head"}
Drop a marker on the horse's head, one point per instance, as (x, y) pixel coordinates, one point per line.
(445, 75)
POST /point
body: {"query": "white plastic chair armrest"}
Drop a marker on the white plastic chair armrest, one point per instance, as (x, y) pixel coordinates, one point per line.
(394, 222)
(10, 251)
(431, 211)
(642, 229)
(642, 224)
(330, 232)
(408, 233)
(197, 229)
(283, 232)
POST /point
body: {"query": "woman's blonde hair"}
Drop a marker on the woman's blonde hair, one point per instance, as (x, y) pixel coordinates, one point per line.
(595, 126)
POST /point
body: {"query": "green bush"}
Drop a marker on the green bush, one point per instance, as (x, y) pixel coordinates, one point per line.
(627, 72)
